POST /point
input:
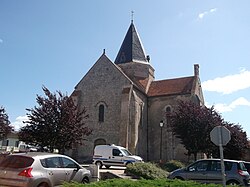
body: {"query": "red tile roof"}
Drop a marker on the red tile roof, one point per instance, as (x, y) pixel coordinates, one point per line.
(171, 86)
(141, 84)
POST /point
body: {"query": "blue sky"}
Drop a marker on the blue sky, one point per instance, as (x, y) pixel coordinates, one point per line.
(54, 43)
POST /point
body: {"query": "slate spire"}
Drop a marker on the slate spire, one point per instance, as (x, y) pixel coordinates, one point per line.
(131, 49)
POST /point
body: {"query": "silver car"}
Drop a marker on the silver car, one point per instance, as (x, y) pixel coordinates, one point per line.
(34, 169)
(209, 171)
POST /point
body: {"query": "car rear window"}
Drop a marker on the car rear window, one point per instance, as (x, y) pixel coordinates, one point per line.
(16, 161)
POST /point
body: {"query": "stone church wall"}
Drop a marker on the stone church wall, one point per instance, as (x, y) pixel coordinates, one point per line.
(98, 87)
(171, 147)
(138, 124)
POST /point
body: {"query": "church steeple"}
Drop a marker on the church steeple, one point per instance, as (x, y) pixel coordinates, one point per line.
(131, 49)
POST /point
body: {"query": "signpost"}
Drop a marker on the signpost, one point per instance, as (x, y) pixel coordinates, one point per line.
(220, 136)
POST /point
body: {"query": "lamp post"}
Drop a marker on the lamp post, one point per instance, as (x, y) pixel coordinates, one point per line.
(161, 125)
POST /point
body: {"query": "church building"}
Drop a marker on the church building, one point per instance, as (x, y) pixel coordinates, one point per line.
(128, 107)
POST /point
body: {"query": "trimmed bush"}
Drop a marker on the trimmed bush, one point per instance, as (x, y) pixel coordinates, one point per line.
(173, 165)
(146, 170)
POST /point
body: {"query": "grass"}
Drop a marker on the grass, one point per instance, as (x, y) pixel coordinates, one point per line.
(140, 183)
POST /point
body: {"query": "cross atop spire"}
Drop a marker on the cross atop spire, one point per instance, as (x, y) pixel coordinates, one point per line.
(132, 16)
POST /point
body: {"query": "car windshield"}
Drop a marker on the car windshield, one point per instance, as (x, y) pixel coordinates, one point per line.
(16, 161)
(126, 152)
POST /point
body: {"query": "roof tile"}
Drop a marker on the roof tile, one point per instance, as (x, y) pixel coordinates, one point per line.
(171, 86)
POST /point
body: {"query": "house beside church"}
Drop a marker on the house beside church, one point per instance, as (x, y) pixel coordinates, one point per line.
(126, 104)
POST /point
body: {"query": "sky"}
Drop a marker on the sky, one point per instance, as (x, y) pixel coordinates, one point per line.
(54, 44)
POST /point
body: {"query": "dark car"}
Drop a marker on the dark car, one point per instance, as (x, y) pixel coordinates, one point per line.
(36, 169)
(209, 171)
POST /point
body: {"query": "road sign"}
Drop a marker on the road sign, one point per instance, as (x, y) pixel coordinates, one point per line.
(220, 132)
(221, 136)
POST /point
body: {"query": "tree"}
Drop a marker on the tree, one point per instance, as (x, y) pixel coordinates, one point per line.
(237, 146)
(192, 123)
(56, 122)
(5, 127)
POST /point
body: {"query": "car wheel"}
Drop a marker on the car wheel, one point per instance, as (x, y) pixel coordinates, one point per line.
(85, 180)
(233, 183)
(180, 178)
(43, 185)
(99, 164)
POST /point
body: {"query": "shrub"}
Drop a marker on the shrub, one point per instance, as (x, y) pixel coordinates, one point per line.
(173, 165)
(146, 170)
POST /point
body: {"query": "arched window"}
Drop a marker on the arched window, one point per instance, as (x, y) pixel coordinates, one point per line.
(168, 111)
(100, 141)
(101, 113)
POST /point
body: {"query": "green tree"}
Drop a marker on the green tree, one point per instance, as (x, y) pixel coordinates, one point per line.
(5, 127)
(56, 122)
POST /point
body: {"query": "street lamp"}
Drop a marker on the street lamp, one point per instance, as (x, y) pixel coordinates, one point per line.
(161, 125)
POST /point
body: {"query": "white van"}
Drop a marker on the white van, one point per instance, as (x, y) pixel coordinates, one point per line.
(113, 155)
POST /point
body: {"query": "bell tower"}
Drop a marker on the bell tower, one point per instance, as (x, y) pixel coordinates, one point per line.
(133, 60)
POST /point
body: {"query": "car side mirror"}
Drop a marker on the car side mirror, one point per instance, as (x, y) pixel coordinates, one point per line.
(120, 154)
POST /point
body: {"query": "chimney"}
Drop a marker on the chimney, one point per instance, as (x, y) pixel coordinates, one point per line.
(196, 70)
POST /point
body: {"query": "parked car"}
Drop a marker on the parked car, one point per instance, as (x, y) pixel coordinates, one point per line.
(36, 169)
(113, 155)
(209, 171)
(27, 148)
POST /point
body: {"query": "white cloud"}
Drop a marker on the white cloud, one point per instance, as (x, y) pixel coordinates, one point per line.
(228, 84)
(213, 10)
(222, 107)
(18, 123)
(201, 15)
